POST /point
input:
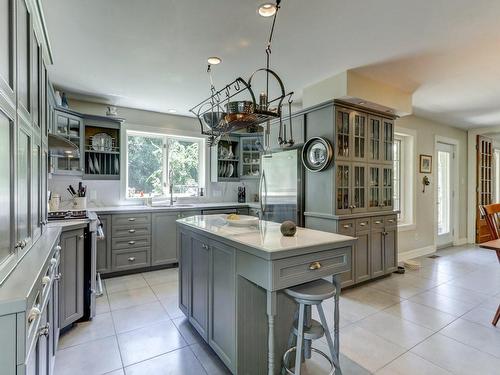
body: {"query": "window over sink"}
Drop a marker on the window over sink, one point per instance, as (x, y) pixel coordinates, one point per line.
(154, 161)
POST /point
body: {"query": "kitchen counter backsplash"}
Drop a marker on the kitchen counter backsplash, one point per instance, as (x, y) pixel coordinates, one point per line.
(107, 193)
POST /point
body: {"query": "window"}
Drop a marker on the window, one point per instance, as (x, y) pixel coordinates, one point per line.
(497, 175)
(404, 162)
(154, 161)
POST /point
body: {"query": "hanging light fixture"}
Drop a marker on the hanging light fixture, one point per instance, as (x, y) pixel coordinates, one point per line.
(214, 60)
(267, 9)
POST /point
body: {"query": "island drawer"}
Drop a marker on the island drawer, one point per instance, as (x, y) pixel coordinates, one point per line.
(346, 227)
(131, 230)
(130, 242)
(125, 260)
(132, 218)
(304, 268)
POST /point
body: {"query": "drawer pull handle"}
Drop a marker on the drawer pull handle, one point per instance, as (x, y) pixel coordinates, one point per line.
(81, 236)
(131, 242)
(315, 266)
(205, 246)
(346, 226)
(391, 221)
(131, 219)
(58, 276)
(34, 312)
(131, 230)
(378, 222)
(362, 224)
(131, 259)
(45, 330)
(46, 280)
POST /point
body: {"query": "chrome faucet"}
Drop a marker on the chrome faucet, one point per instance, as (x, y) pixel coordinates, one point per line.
(171, 186)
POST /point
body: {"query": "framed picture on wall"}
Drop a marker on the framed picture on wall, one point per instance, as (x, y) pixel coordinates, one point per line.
(425, 164)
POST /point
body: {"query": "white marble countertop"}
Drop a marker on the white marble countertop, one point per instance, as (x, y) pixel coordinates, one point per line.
(265, 237)
(175, 207)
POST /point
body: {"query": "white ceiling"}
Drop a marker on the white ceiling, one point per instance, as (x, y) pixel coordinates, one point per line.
(151, 54)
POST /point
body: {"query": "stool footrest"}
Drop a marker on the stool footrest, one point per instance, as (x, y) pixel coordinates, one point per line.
(314, 332)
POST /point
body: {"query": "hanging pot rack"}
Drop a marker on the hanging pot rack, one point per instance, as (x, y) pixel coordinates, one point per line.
(217, 117)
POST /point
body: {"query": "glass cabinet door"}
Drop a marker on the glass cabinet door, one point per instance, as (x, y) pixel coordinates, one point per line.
(342, 186)
(388, 126)
(6, 190)
(342, 130)
(374, 126)
(359, 188)
(359, 136)
(387, 188)
(23, 185)
(374, 188)
(71, 128)
(36, 188)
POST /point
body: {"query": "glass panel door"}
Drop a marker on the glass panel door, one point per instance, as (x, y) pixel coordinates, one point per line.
(342, 185)
(445, 228)
(375, 124)
(6, 188)
(387, 188)
(359, 188)
(342, 125)
(374, 190)
(388, 139)
(359, 136)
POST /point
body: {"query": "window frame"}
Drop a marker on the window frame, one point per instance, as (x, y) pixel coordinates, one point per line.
(165, 137)
(407, 175)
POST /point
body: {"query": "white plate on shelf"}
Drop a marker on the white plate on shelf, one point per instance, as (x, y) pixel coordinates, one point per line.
(230, 170)
(117, 165)
(244, 221)
(102, 142)
(223, 170)
(91, 165)
(96, 165)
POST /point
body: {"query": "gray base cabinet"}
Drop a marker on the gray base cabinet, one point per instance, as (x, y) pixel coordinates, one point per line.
(164, 241)
(71, 282)
(103, 251)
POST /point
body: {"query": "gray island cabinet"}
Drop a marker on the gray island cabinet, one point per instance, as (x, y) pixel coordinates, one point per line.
(231, 281)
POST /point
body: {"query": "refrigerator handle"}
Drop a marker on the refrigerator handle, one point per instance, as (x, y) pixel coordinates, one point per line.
(264, 196)
(262, 182)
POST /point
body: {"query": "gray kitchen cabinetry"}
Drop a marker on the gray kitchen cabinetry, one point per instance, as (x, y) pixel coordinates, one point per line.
(210, 306)
(71, 282)
(69, 126)
(103, 251)
(298, 120)
(355, 195)
(24, 180)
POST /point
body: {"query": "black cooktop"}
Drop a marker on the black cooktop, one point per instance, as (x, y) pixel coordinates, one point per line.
(68, 215)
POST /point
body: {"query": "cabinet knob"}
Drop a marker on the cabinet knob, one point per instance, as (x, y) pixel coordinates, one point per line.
(363, 224)
(45, 330)
(131, 259)
(81, 236)
(58, 248)
(131, 242)
(378, 222)
(205, 246)
(58, 276)
(391, 220)
(131, 219)
(53, 261)
(34, 312)
(131, 230)
(315, 266)
(346, 226)
(46, 280)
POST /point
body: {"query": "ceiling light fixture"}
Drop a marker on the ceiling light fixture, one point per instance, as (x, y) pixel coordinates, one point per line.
(267, 9)
(214, 60)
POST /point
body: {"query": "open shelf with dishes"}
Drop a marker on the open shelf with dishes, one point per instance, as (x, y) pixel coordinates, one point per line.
(102, 153)
(251, 151)
(225, 160)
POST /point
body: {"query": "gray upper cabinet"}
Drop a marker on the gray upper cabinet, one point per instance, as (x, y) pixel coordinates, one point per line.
(24, 207)
(70, 127)
(343, 182)
(359, 137)
(375, 139)
(36, 58)
(23, 57)
(388, 145)
(343, 133)
(36, 188)
(7, 49)
(164, 238)
(71, 282)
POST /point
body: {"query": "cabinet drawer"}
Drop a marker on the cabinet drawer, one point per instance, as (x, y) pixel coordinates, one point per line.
(378, 222)
(131, 230)
(124, 260)
(346, 227)
(132, 218)
(130, 242)
(391, 220)
(362, 224)
(304, 268)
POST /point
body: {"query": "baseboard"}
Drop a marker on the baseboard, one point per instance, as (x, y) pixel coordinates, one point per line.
(416, 253)
(460, 241)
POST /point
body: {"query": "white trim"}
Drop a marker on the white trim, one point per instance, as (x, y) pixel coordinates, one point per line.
(455, 182)
(408, 168)
(406, 227)
(460, 242)
(415, 253)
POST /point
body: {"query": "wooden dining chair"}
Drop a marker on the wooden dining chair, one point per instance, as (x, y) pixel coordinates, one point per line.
(491, 213)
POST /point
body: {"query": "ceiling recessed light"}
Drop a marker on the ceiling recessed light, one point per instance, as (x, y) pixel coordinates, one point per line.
(172, 111)
(214, 60)
(267, 9)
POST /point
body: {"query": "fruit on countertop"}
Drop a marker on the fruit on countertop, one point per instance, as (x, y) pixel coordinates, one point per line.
(233, 217)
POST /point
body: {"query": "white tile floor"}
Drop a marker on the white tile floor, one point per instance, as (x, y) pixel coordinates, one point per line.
(433, 321)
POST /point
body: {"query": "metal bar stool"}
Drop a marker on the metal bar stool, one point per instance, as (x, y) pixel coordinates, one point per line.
(306, 329)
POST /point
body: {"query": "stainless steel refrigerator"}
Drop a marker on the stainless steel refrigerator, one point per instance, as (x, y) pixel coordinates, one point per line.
(281, 187)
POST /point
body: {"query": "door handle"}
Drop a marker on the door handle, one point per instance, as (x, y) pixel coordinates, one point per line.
(131, 219)
(131, 230)
(131, 242)
(315, 266)
(131, 259)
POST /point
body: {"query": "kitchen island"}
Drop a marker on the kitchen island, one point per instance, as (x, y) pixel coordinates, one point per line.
(231, 281)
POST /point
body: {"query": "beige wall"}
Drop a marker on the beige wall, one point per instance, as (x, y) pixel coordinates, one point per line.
(423, 234)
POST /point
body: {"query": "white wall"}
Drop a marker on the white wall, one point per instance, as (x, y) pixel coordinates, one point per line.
(108, 192)
(422, 237)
